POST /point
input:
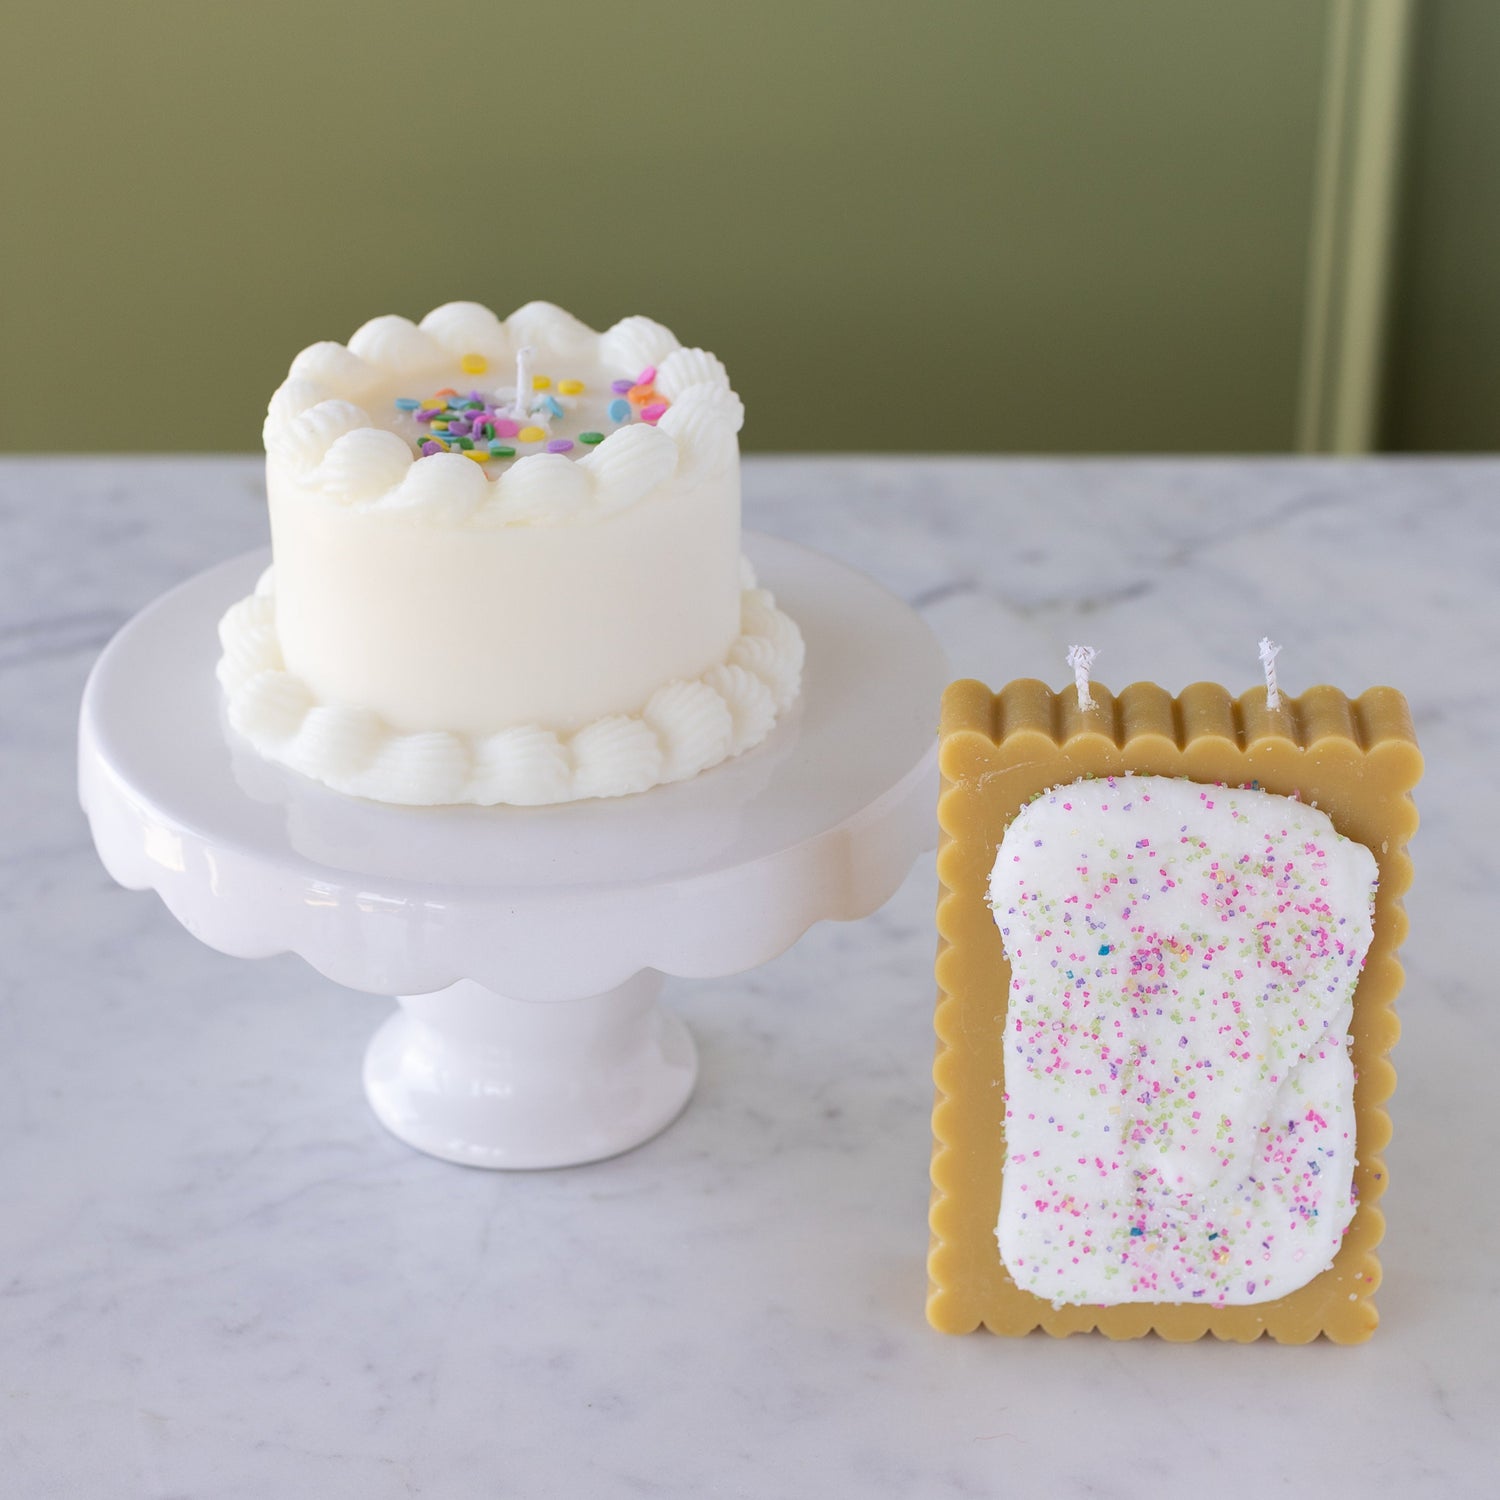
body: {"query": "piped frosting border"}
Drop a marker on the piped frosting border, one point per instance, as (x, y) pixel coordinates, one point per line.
(685, 728)
(319, 431)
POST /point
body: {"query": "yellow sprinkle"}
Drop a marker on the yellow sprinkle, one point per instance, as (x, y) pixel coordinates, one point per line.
(439, 426)
(479, 455)
(570, 387)
(474, 364)
(531, 434)
(541, 382)
(434, 403)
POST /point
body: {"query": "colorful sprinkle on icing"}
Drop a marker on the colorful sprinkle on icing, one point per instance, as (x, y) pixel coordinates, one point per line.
(482, 424)
(1179, 1093)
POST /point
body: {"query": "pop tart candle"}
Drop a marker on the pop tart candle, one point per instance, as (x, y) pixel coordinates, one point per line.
(1167, 971)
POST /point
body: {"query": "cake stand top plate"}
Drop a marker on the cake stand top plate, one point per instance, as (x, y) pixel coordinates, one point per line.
(709, 876)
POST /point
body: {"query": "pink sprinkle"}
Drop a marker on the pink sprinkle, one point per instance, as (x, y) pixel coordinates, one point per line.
(646, 376)
(506, 427)
(654, 413)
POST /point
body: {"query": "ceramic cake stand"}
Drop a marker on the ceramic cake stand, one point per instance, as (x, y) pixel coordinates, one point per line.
(526, 945)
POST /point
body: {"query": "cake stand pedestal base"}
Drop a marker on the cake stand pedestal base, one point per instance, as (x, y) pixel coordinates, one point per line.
(528, 942)
(478, 1078)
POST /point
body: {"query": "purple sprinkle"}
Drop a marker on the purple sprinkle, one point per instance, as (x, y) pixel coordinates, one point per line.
(560, 445)
(430, 447)
(426, 416)
(460, 427)
(477, 396)
(619, 387)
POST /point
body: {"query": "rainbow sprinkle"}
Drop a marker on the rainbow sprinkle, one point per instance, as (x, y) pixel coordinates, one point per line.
(480, 425)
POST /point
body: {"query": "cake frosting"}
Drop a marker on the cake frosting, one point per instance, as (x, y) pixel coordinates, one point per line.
(1179, 1119)
(506, 566)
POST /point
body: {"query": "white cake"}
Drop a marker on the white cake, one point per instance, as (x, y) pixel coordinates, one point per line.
(486, 594)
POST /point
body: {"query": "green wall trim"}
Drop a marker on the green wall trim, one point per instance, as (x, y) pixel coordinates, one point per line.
(1355, 201)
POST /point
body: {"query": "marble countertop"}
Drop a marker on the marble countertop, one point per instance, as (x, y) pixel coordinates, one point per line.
(221, 1280)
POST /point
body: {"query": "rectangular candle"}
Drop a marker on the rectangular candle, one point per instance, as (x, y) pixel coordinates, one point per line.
(1166, 972)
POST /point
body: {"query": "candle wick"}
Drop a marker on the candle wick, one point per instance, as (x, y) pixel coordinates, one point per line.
(1081, 659)
(524, 357)
(1269, 651)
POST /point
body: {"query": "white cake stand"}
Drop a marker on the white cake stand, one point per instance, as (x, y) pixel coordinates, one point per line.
(526, 945)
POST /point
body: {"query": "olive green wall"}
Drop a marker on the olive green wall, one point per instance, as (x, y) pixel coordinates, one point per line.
(1444, 382)
(1020, 224)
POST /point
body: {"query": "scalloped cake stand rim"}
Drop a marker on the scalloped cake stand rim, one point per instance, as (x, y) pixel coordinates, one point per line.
(469, 916)
(819, 823)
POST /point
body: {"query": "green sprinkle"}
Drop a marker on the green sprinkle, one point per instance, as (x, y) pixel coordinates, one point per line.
(591, 437)
(502, 450)
(464, 443)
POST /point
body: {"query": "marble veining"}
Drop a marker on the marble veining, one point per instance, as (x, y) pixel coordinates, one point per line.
(220, 1279)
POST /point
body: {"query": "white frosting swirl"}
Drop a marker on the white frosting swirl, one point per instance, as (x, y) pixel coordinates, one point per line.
(395, 343)
(546, 326)
(341, 740)
(248, 637)
(693, 724)
(685, 728)
(544, 487)
(527, 766)
(301, 441)
(704, 422)
(628, 466)
(363, 465)
(751, 703)
(689, 367)
(615, 756)
(445, 488)
(635, 343)
(338, 370)
(293, 396)
(461, 328)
